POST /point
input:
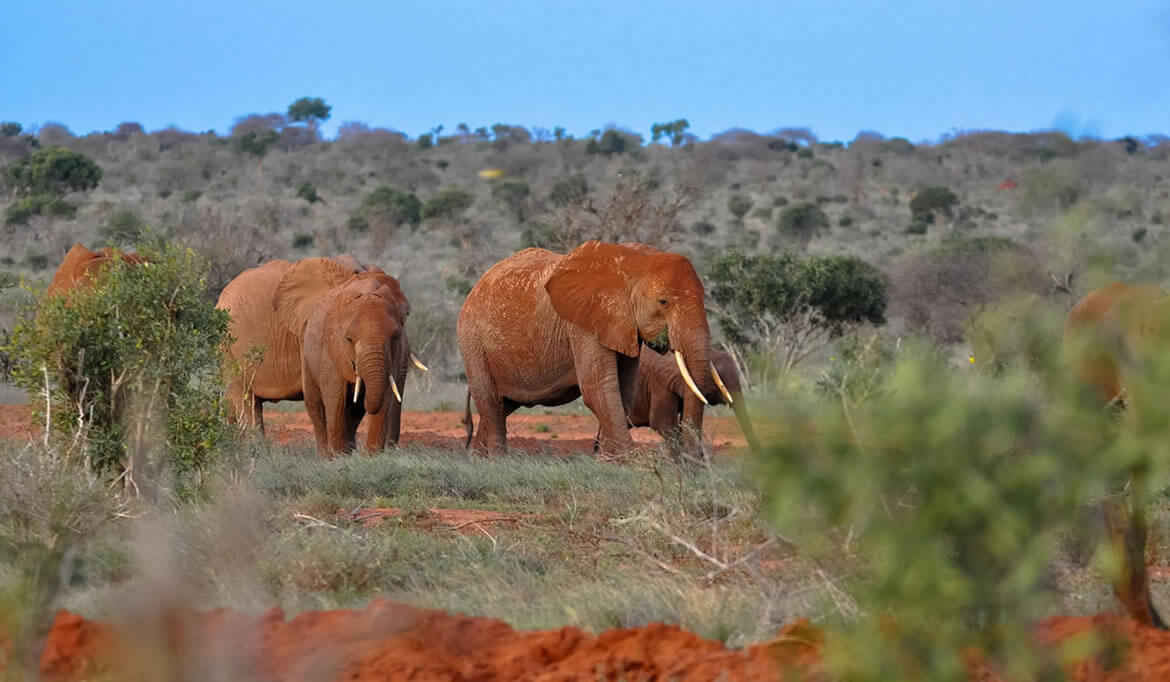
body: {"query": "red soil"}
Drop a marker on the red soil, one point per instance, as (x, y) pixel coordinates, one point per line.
(389, 641)
(527, 431)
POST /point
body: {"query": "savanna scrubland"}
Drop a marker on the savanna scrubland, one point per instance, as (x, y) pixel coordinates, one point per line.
(930, 470)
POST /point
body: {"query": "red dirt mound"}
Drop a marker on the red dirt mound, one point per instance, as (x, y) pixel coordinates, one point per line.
(388, 641)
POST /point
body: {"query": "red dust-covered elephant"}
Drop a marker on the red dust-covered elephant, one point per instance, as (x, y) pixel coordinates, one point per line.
(542, 328)
(334, 335)
(1108, 332)
(81, 265)
(661, 396)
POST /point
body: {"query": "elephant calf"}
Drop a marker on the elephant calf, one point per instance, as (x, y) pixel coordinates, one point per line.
(661, 396)
(334, 334)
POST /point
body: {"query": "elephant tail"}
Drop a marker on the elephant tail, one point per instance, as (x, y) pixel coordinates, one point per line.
(467, 424)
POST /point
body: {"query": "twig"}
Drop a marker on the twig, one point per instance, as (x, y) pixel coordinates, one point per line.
(685, 543)
(491, 537)
(314, 521)
(487, 520)
(642, 553)
(743, 559)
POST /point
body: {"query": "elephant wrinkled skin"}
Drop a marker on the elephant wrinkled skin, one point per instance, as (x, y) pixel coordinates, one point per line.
(1107, 335)
(542, 328)
(661, 396)
(334, 335)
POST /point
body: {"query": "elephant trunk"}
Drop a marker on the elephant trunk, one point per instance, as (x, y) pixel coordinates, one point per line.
(372, 369)
(745, 423)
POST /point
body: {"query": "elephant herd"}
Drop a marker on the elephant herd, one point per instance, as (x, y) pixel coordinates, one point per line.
(539, 328)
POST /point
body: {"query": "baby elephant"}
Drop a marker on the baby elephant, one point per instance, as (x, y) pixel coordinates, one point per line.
(660, 394)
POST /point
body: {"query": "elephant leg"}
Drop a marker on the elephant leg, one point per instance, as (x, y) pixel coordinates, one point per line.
(598, 379)
(258, 413)
(337, 423)
(315, 407)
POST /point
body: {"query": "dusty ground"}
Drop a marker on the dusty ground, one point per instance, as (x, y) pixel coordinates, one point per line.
(527, 431)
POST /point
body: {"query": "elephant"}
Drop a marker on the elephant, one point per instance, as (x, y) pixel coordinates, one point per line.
(661, 396)
(1106, 334)
(329, 326)
(542, 328)
(80, 265)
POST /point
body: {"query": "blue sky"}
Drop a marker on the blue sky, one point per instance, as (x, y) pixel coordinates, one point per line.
(919, 71)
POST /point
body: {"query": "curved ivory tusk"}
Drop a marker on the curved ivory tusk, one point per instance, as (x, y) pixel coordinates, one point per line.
(682, 367)
(394, 387)
(418, 364)
(357, 386)
(719, 382)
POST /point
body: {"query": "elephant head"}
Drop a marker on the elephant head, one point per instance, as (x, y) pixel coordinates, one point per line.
(361, 320)
(732, 392)
(80, 265)
(630, 294)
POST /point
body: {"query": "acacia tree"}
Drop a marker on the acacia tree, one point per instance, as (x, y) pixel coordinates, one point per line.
(784, 307)
(311, 110)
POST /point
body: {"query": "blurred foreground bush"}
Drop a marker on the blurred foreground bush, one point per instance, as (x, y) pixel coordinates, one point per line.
(131, 367)
(954, 488)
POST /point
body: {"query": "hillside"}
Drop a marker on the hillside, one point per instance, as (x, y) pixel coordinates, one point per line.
(254, 195)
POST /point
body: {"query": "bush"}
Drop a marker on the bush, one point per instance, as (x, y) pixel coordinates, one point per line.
(956, 490)
(845, 221)
(52, 172)
(931, 202)
(36, 261)
(703, 228)
(38, 204)
(800, 221)
(739, 205)
(140, 352)
(570, 189)
(610, 142)
(191, 196)
(788, 307)
(308, 192)
(123, 227)
(302, 241)
(937, 289)
(513, 194)
(449, 204)
(1049, 188)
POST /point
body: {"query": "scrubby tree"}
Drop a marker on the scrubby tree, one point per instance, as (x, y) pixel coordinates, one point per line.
(385, 209)
(40, 182)
(513, 194)
(609, 142)
(133, 366)
(739, 205)
(122, 227)
(932, 204)
(311, 110)
(256, 143)
(675, 131)
(308, 192)
(784, 307)
(449, 204)
(800, 221)
(568, 190)
(10, 128)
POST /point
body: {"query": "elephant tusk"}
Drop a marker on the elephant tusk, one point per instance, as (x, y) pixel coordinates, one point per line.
(418, 364)
(357, 386)
(719, 382)
(394, 387)
(682, 367)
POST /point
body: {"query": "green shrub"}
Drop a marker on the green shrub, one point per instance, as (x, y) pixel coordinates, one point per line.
(801, 221)
(191, 196)
(610, 142)
(568, 190)
(1139, 234)
(140, 352)
(787, 307)
(308, 192)
(703, 228)
(917, 227)
(1049, 188)
(780, 201)
(10, 129)
(36, 261)
(954, 490)
(845, 221)
(302, 241)
(389, 207)
(38, 204)
(739, 205)
(52, 171)
(931, 202)
(449, 204)
(513, 194)
(122, 227)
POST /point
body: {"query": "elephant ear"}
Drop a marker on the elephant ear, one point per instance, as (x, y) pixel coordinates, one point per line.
(302, 286)
(350, 262)
(589, 288)
(390, 288)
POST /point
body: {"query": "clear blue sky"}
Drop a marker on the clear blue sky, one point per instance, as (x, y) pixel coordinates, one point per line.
(905, 67)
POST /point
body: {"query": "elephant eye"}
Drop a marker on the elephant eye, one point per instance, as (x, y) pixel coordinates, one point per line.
(662, 301)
